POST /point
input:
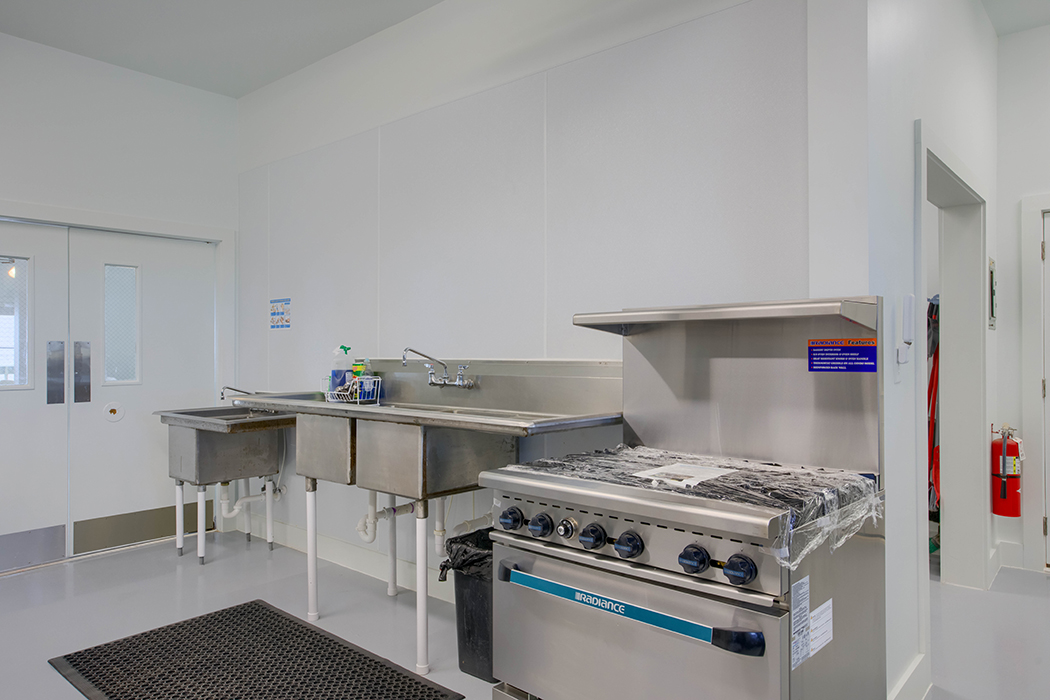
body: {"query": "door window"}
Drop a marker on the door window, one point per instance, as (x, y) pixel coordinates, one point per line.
(122, 324)
(14, 321)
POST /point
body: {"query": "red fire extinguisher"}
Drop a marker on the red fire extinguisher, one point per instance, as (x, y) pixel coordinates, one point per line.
(1006, 473)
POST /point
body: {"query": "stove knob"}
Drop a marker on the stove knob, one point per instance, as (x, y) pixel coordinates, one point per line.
(694, 559)
(541, 526)
(512, 518)
(567, 528)
(629, 545)
(592, 536)
(740, 570)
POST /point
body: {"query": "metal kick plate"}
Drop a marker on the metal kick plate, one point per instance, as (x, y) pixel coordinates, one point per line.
(81, 371)
(56, 371)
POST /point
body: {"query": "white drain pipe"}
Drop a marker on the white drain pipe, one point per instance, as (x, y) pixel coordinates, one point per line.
(366, 526)
(311, 550)
(439, 527)
(180, 516)
(247, 509)
(242, 502)
(201, 526)
(269, 513)
(391, 577)
(471, 525)
(422, 651)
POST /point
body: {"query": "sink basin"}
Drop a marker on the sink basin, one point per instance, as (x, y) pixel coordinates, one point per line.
(227, 419)
(223, 443)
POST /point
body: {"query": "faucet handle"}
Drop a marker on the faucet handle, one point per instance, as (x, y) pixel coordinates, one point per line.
(462, 368)
(429, 365)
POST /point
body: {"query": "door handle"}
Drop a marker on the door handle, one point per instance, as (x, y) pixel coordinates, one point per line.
(56, 371)
(736, 641)
(81, 371)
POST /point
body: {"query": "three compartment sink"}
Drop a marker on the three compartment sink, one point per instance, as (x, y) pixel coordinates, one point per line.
(423, 442)
(223, 443)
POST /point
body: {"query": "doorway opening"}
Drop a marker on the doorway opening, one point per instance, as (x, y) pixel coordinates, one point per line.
(954, 285)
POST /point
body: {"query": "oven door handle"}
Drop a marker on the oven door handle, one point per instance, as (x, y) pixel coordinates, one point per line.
(737, 641)
(505, 567)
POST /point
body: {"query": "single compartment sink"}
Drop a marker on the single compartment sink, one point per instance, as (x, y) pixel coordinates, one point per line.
(223, 443)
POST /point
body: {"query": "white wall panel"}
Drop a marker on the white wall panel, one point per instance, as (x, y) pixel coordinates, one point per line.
(461, 242)
(323, 256)
(677, 171)
(253, 269)
(81, 134)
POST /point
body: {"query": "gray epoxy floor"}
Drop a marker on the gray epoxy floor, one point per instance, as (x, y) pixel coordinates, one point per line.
(995, 644)
(987, 645)
(58, 609)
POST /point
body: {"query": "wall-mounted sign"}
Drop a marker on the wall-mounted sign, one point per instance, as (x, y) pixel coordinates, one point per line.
(843, 355)
(280, 313)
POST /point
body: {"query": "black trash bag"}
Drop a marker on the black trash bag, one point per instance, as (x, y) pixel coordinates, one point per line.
(469, 554)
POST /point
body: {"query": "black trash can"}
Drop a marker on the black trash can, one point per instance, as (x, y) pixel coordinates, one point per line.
(470, 557)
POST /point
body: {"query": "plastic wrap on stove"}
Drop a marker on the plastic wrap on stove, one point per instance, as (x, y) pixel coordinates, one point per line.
(816, 504)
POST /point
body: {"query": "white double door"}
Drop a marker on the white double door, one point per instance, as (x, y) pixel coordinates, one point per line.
(97, 331)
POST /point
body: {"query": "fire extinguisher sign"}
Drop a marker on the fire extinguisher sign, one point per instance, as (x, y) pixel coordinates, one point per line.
(843, 355)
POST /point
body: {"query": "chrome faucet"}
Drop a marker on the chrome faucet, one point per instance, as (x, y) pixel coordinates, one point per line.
(222, 393)
(444, 380)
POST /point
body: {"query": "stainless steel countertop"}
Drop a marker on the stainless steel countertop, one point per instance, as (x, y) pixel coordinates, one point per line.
(488, 420)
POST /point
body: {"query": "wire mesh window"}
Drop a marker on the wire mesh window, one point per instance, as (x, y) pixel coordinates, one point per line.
(122, 323)
(14, 321)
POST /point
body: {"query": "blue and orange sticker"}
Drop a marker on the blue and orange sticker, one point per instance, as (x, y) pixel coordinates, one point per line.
(844, 355)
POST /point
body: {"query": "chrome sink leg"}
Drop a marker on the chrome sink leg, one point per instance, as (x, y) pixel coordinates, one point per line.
(422, 651)
(180, 516)
(202, 509)
(311, 550)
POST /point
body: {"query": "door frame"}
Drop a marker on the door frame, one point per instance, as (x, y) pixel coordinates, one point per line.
(1035, 546)
(969, 553)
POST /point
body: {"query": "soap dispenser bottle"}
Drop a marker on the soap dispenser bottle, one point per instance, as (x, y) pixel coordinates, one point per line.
(341, 368)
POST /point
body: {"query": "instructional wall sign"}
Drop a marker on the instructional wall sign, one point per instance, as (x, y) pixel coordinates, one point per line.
(844, 355)
(280, 313)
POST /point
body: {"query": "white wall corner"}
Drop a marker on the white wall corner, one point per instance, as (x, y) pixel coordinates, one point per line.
(837, 72)
(915, 683)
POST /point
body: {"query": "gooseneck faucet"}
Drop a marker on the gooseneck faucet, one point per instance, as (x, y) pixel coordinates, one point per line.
(444, 380)
(222, 393)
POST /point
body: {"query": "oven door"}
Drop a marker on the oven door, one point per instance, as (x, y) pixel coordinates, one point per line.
(565, 631)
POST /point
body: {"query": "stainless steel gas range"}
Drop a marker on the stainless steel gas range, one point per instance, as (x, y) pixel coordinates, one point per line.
(731, 548)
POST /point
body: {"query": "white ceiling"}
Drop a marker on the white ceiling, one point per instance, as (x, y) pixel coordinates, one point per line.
(231, 47)
(1009, 16)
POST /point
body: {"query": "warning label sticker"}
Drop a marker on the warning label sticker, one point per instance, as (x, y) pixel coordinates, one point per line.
(843, 355)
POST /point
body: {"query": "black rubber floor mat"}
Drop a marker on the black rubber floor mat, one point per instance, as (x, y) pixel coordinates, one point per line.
(251, 651)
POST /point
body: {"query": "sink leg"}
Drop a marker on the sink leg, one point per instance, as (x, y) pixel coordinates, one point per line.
(202, 509)
(180, 516)
(269, 513)
(422, 652)
(391, 526)
(311, 550)
(248, 511)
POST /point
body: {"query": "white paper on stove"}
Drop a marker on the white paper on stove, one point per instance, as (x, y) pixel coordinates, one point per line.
(821, 627)
(800, 622)
(682, 474)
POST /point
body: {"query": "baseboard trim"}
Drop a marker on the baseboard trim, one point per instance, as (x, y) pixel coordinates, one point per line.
(123, 529)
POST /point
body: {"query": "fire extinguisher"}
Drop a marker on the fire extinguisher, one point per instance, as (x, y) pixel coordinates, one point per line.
(1007, 455)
